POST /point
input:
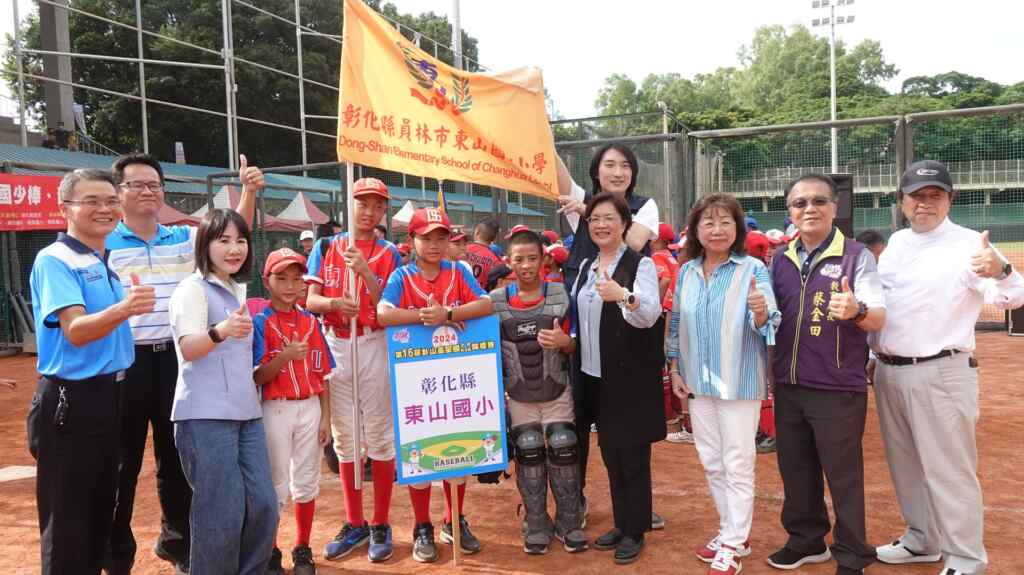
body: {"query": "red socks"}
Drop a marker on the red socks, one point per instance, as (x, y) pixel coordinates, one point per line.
(353, 498)
(383, 484)
(304, 522)
(420, 499)
(448, 501)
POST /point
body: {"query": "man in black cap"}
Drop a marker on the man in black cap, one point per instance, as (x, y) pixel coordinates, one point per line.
(936, 276)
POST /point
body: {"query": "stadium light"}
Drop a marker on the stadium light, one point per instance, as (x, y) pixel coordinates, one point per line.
(831, 21)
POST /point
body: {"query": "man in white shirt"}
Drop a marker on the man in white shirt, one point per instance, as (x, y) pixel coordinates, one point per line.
(936, 276)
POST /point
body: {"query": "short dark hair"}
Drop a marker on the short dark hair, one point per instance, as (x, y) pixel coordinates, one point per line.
(870, 238)
(212, 227)
(617, 202)
(595, 164)
(812, 177)
(526, 237)
(487, 230)
(497, 273)
(727, 202)
(326, 229)
(71, 179)
(137, 158)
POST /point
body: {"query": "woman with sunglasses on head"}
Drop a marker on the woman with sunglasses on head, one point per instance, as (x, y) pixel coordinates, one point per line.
(620, 354)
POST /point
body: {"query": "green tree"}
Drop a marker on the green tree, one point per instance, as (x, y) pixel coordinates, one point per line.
(262, 95)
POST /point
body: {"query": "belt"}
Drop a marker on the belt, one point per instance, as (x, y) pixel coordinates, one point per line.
(155, 347)
(115, 377)
(288, 398)
(346, 332)
(899, 360)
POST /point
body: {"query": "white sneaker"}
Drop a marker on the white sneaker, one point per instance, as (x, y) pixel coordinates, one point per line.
(950, 571)
(896, 554)
(681, 436)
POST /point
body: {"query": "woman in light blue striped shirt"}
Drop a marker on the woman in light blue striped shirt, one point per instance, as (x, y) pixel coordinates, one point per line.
(722, 322)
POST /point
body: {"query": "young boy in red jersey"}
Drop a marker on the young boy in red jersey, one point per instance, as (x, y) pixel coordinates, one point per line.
(433, 291)
(372, 260)
(555, 257)
(291, 360)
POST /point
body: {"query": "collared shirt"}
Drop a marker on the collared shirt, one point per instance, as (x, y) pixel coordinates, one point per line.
(329, 270)
(162, 263)
(69, 273)
(188, 308)
(408, 289)
(590, 306)
(721, 351)
(299, 378)
(933, 297)
(867, 288)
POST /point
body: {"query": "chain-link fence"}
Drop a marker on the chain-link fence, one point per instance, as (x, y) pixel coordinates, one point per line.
(983, 148)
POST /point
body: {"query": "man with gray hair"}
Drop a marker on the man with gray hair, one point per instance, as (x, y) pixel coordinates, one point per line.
(936, 276)
(85, 346)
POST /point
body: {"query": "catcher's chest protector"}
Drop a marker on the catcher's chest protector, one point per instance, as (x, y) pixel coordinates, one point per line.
(532, 374)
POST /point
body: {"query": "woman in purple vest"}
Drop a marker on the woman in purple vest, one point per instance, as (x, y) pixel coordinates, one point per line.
(722, 322)
(218, 426)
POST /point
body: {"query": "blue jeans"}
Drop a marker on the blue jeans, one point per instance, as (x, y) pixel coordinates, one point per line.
(234, 507)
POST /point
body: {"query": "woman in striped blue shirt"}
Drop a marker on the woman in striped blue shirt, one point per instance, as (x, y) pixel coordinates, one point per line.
(722, 322)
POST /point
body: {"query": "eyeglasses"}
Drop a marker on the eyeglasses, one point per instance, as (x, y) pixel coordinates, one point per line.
(94, 204)
(140, 186)
(599, 220)
(818, 201)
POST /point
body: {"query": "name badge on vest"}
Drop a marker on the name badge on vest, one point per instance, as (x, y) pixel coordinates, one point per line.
(834, 271)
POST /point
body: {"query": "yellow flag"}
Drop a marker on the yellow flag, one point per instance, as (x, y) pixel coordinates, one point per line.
(403, 110)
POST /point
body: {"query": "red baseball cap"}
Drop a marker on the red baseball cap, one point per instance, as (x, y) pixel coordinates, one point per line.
(426, 220)
(666, 233)
(278, 260)
(404, 249)
(458, 234)
(551, 235)
(757, 244)
(681, 243)
(559, 254)
(515, 230)
(366, 186)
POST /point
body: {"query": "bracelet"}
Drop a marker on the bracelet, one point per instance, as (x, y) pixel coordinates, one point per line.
(862, 312)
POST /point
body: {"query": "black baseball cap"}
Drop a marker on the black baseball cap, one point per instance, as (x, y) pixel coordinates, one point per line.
(923, 174)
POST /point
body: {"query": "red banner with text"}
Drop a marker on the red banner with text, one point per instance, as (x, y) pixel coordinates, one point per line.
(29, 203)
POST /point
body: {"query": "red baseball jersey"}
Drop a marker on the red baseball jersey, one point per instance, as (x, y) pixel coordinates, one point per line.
(326, 267)
(666, 266)
(453, 286)
(299, 378)
(482, 259)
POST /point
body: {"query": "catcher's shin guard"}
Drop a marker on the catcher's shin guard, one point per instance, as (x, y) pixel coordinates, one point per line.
(532, 481)
(564, 474)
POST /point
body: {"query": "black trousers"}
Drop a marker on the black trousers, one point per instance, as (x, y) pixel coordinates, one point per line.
(586, 414)
(76, 472)
(629, 480)
(819, 432)
(146, 399)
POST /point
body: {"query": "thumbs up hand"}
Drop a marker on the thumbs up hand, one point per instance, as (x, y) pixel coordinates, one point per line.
(842, 304)
(139, 299)
(609, 289)
(434, 313)
(251, 177)
(296, 349)
(986, 261)
(553, 338)
(238, 324)
(756, 303)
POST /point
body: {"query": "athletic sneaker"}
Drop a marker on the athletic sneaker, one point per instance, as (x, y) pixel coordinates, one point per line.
(951, 571)
(681, 436)
(302, 561)
(896, 553)
(381, 545)
(423, 548)
(766, 445)
(657, 521)
(274, 565)
(346, 540)
(787, 559)
(726, 562)
(707, 552)
(574, 541)
(468, 543)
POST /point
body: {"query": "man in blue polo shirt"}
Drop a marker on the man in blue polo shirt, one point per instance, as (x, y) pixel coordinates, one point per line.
(161, 257)
(85, 345)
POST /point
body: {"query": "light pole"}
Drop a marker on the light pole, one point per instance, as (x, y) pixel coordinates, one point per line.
(831, 21)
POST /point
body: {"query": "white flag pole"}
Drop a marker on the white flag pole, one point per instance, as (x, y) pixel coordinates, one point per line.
(353, 292)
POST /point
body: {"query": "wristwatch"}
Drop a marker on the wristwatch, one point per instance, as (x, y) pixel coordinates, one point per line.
(1007, 270)
(451, 313)
(628, 299)
(862, 312)
(216, 337)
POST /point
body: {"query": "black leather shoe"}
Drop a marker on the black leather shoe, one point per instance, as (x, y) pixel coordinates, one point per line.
(609, 540)
(629, 549)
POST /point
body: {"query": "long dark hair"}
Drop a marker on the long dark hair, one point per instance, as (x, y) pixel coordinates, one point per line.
(212, 227)
(595, 164)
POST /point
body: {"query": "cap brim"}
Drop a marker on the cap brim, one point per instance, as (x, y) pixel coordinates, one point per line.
(373, 192)
(422, 231)
(911, 188)
(283, 264)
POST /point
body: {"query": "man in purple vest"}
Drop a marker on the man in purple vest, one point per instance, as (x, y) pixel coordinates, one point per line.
(829, 294)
